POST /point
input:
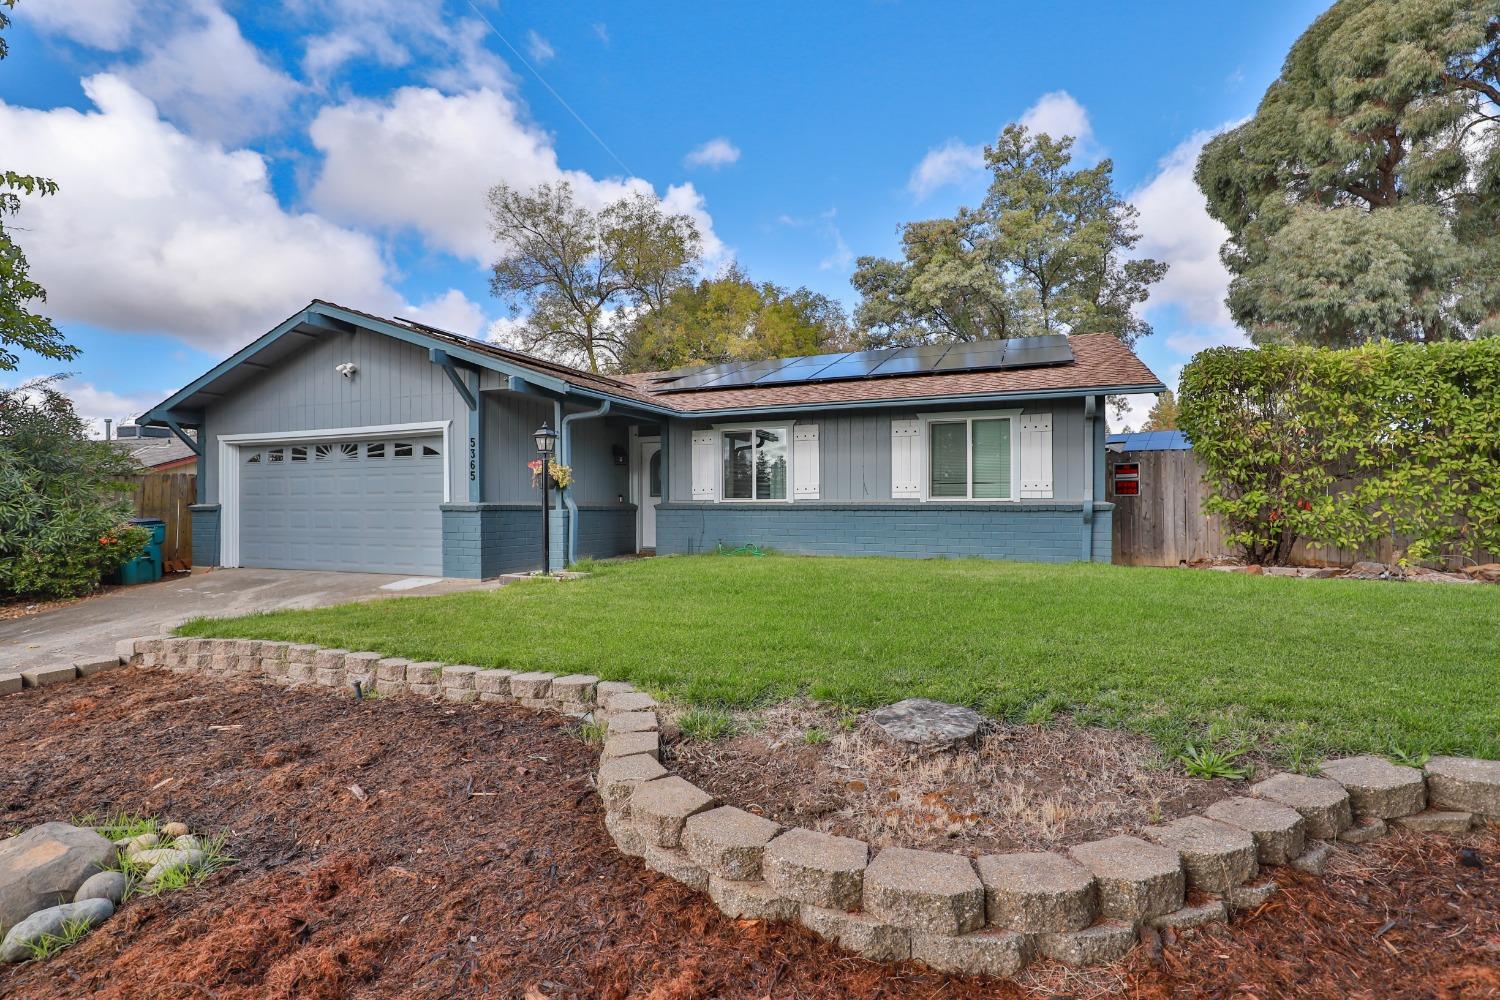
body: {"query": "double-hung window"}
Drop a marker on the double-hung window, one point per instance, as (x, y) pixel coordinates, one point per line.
(755, 463)
(969, 458)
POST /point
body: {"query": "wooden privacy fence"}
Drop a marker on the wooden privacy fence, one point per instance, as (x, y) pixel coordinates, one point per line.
(1165, 524)
(167, 495)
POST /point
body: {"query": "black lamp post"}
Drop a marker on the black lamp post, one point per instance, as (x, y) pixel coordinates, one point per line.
(546, 441)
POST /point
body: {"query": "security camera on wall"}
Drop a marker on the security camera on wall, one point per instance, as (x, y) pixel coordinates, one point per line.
(347, 369)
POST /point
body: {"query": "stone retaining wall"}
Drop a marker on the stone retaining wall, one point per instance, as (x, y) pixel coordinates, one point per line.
(1082, 906)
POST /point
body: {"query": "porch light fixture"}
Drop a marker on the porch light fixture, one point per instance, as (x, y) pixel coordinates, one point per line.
(546, 440)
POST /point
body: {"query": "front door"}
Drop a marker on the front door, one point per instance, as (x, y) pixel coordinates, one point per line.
(648, 489)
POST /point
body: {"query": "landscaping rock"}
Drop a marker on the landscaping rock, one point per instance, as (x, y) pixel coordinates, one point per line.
(1366, 829)
(1464, 784)
(1279, 831)
(45, 866)
(922, 723)
(42, 923)
(1184, 918)
(34, 677)
(1315, 859)
(103, 885)
(729, 842)
(632, 722)
(1216, 856)
(749, 900)
(1322, 802)
(1379, 788)
(170, 860)
(924, 891)
(857, 932)
(1367, 570)
(629, 744)
(1107, 941)
(817, 868)
(495, 682)
(1135, 879)
(1037, 893)
(1248, 897)
(674, 863)
(145, 841)
(660, 808)
(619, 776)
(1436, 821)
(996, 953)
(186, 842)
(575, 689)
(532, 684)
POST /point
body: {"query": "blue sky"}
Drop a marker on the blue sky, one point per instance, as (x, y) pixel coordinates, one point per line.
(221, 162)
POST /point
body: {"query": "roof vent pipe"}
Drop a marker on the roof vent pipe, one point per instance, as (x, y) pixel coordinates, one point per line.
(107, 422)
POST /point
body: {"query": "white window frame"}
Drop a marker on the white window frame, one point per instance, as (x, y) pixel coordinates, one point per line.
(229, 467)
(967, 418)
(791, 444)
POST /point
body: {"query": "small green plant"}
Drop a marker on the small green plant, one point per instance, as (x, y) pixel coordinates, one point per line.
(119, 826)
(215, 859)
(743, 550)
(1417, 758)
(848, 719)
(591, 732)
(1208, 762)
(1041, 712)
(815, 736)
(708, 724)
(48, 945)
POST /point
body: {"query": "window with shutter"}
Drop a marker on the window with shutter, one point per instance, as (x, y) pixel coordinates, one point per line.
(1036, 456)
(969, 458)
(906, 437)
(806, 466)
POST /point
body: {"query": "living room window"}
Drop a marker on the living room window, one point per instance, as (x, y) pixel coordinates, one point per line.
(969, 458)
(755, 463)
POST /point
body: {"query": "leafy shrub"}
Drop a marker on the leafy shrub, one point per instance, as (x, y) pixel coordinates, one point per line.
(63, 502)
(1348, 447)
(1207, 762)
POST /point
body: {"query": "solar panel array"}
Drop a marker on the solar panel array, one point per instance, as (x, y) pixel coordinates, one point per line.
(925, 359)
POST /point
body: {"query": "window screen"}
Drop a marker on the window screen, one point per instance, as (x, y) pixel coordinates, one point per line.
(991, 444)
(949, 461)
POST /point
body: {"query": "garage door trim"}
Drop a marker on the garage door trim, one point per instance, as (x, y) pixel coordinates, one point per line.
(229, 467)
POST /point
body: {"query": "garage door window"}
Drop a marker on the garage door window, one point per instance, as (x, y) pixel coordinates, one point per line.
(274, 455)
(375, 450)
(402, 449)
(299, 454)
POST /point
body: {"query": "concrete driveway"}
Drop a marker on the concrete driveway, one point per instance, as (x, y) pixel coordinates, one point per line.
(92, 627)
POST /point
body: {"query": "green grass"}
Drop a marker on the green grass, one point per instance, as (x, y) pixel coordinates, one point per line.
(48, 945)
(119, 826)
(707, 724)
(1300, 667)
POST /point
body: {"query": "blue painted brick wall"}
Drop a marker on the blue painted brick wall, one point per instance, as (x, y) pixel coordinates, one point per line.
(1041, 532)
(205, 522)
(605, 531)
(485, 540)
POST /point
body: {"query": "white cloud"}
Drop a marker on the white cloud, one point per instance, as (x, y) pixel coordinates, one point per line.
(397, 33)
(153, 230)
(1176, 228)
(424, 161)
(839, 257)
(601, 31)
(103, 24)
(452, 311)
(952, 163)
(714, 153)
(1058, 114)
(538, 47)
(206, 76)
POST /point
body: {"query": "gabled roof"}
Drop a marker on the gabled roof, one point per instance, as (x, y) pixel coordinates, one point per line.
(154, 452)
(1101, 365)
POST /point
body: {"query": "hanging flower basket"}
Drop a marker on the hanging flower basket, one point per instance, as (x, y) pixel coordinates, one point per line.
(560, 475)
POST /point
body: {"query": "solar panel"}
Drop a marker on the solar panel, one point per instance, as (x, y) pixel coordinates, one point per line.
(1051, 349)
(913, 360)
(858, 365)
(973, 357)
(707, 376)
(801, 369)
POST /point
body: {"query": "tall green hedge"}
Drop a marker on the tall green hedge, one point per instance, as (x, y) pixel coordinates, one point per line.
(1348, 447)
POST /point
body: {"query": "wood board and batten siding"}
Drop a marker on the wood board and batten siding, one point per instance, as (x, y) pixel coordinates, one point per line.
(167, 495)
(1167, 524)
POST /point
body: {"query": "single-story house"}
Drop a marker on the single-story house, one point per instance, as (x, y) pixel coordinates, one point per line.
(347, 441)
(154, 448)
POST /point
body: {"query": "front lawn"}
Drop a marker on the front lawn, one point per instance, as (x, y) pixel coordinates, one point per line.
(1304, 667)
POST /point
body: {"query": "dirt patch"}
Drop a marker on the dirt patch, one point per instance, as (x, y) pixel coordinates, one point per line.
(1020, 788)
(478, 866)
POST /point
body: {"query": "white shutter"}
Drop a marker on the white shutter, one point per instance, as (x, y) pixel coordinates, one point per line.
(805, 463)
(906, 439)
(1036, 456)
(705, 465)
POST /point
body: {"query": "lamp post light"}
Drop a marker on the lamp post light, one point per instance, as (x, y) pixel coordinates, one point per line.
(546, 441)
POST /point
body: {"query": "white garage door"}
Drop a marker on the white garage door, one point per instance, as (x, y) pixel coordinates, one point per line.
(359, 506)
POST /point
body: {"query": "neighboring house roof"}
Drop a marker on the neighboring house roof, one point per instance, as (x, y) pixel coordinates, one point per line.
(1101, 365)
(1149, 441)
(155, 453)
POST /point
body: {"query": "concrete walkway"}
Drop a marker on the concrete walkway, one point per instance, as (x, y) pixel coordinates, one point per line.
(92, 627)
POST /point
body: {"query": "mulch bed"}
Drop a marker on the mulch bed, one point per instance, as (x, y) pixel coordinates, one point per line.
(476, 865)
(1019, 788)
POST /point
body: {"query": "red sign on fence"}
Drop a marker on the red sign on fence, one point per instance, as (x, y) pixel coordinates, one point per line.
(1127, 479)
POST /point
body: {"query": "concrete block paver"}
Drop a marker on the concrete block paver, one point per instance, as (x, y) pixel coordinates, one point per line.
(424, 672)
(1315, 858)
(1322, 802)
(626, 701)
(532, 684)
(925, 891)
(860, 933)
(674, 863)
(11, 683)
(1214, 911)
(618, 777)
(389, 668)
(1036, 892)
(633, 722)
(1364, 830)
(1436, 821)
(1464, 784)
(660, 808)
(493, 682)
(630, 744)
(1216, 856)
(997, 953)
(41, 676)
(1135, 879)
(574, 689)
(817, 868)
(1379, 788)
(1279, 831)
(1106, 941)
(729, 842)
(93, 665)
(749, 900)
(460, 677)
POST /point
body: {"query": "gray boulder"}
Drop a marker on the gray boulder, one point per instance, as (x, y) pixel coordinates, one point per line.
(44, 866)
(922, 723)
(50, 921)
(105, 885)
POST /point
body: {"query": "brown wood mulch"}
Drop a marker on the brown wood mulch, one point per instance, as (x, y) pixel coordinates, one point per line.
(404, 849)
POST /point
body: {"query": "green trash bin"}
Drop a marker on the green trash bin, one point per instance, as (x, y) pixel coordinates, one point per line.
(141, 569)
(152, 570)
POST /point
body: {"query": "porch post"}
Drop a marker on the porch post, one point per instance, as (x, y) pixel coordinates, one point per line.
(476, 459)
